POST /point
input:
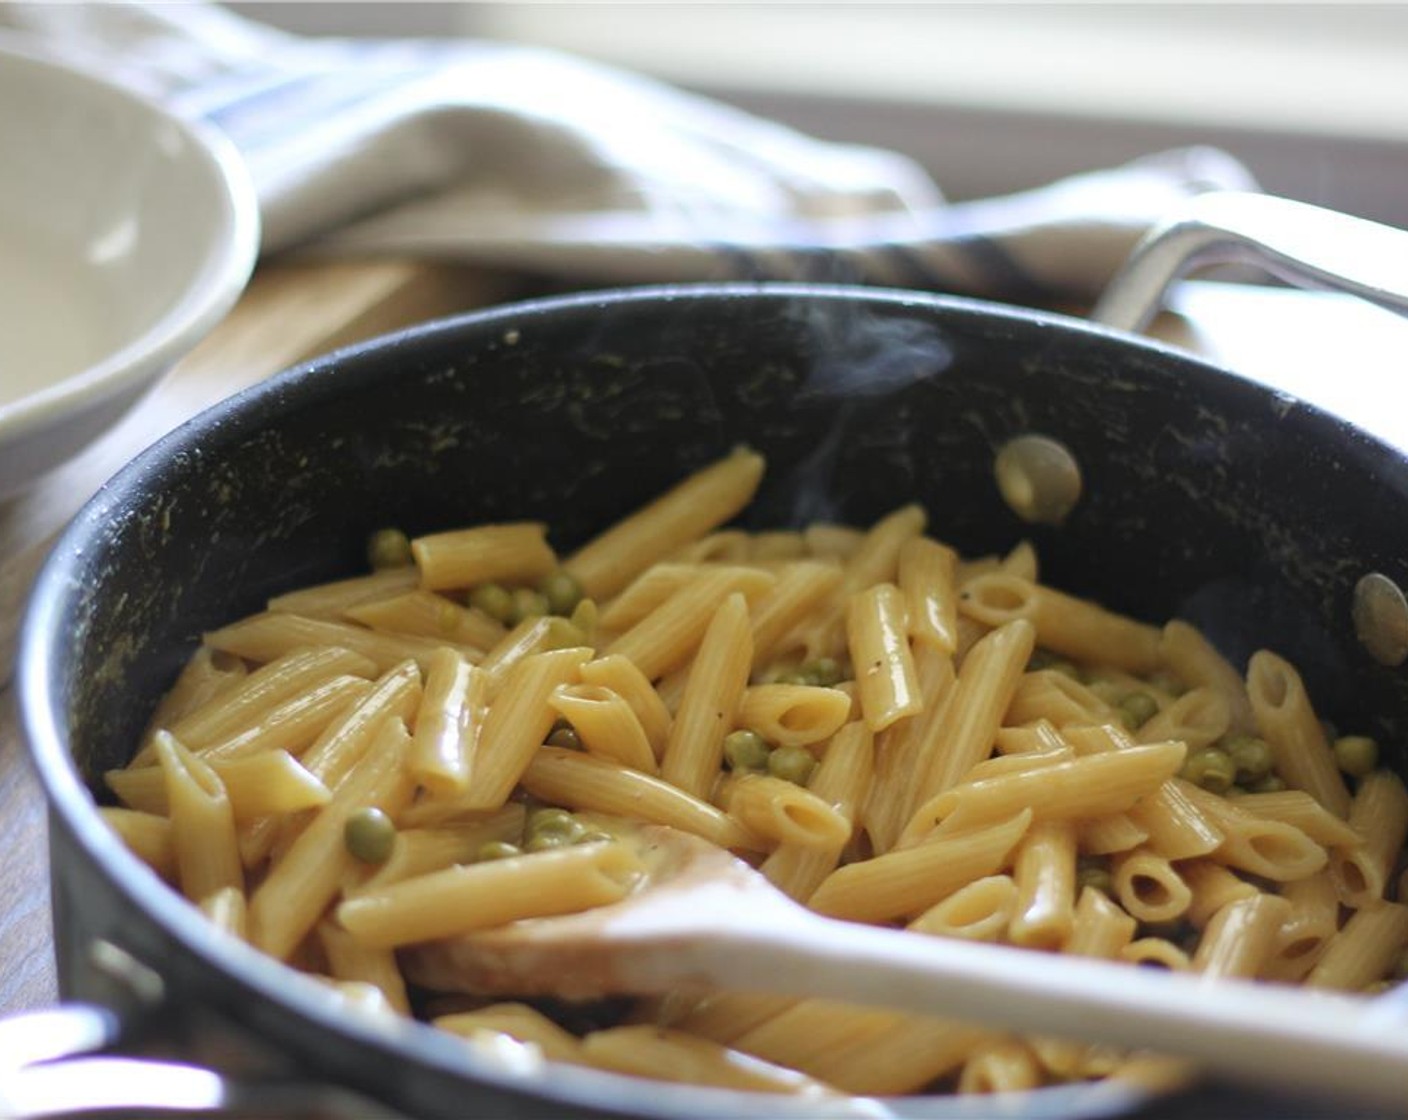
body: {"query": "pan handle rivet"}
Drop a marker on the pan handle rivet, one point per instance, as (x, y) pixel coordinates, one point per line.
(1038, 478)
(1381, 618)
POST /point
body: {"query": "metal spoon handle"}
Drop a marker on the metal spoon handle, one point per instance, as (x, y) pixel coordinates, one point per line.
(1295, 241)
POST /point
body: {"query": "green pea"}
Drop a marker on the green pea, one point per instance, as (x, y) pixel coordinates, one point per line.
(496, 849)
(553, 822)
(561, 591)
(1066, 669)
(1095, 876)
(1165, 681)
(1269, 784)
(389, 548)
(1040, 659)
(566, 737)
(1356, 755)
(791, 764)
(792, 676)
(527, 603)
(1210, 768)
(1250, 755)
(447, 617)
(746, 750)
(1112, 692)
(369, 835)
(547, 841)
(824, 671)
(1137, 709)
(494, 600)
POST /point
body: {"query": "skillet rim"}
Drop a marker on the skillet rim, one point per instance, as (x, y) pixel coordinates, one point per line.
(40, 656)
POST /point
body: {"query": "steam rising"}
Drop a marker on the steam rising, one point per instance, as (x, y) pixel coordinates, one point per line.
(857, 357)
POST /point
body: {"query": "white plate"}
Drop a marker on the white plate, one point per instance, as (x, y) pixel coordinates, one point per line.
(125, 235)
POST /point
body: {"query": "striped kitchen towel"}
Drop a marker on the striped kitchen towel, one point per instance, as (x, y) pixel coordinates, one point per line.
(520, 157)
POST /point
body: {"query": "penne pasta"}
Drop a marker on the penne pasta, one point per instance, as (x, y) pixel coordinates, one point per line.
(780, 812)
(1291, 729)
(802, 590)
(1199, 718)
(1241, 937)
(146, 835)
(516, 725)
(620, 675)
(694, 751)
(448, 721)
(978, 911)
(240, 708)
(1090, 786)
(579, 781)
(667, 637)
(1378, 822)
(1313, 920)
(905, 749)
(1045, 873)
(1194, 660)
(879, 649)
(333, 600)
(202, 822)
(908, 882)
(985, 685)
(926, 572)
(463, 558)
(1157, 952)
(842, 781)
(295, 724)
(1363, 950)
(703, 501)
(351, 961)
(1149, 887)
(1072, 627)
(1273, 850)
(462, 899)
(288, 904)
(796, 715)
(429, 615)
(1000, 1066)
(270, 636)
(1213, 887)
(254, 786)
(606, 725)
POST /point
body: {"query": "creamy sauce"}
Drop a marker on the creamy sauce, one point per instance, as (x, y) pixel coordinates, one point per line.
(55, 314)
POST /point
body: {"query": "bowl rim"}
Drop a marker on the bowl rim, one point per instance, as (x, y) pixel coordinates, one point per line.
(221, 275)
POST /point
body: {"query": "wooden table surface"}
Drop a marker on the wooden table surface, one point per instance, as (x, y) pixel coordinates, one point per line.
(1340, 354)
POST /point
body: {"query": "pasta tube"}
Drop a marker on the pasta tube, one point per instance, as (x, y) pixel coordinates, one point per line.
(463, 558)
(879, 648)
(703, 501)
(908, 882)
(477, 896)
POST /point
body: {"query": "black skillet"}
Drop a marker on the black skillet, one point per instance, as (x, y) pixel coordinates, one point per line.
(1205, 497)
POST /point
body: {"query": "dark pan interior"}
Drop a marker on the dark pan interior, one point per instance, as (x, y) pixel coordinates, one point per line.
(1205, 497)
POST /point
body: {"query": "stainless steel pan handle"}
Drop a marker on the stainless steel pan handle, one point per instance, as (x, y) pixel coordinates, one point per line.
(51, 1067)
(1302, 244)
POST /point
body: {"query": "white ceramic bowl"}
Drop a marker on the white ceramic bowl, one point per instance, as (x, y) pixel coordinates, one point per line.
(125, 235)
